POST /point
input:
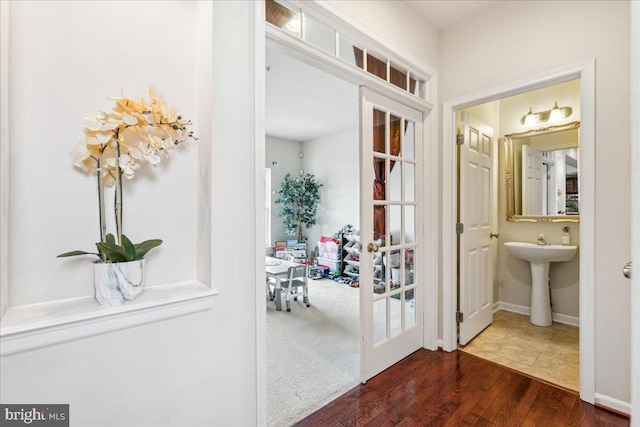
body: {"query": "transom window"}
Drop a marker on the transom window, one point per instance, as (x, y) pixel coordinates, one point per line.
(308, 28)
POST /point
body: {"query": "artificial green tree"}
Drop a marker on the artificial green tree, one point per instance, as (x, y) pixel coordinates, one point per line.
(299, 198)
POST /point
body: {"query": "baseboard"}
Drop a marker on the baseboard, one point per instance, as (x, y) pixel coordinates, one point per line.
(513, 308)
(567, 320)
(612, 403)
(521, 309)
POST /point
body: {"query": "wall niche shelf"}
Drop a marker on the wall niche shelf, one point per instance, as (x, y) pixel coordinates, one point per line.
(33, 326)
(32, 315)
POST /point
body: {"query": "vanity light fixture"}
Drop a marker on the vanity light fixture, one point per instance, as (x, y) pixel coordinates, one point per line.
(554, 115)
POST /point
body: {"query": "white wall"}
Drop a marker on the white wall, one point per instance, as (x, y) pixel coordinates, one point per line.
(508, 43)
(283, 157)
(387, 17)
(335, 161)
(56, 79)
(66, 57)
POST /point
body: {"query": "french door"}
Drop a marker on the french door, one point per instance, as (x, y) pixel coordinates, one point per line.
(391, 288)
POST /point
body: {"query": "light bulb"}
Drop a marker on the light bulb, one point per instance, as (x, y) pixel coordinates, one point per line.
(556, 114)
(529, 119)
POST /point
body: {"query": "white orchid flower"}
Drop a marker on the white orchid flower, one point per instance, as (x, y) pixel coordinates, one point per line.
(92, 123)
(152, 157)
(81, 157)
(128, 165)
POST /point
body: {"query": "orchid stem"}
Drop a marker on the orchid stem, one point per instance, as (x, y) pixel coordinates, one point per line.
(117, 206)
(103, 225)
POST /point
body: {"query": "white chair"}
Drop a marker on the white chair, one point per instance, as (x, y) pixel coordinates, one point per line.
(296, 279)
(270, 293)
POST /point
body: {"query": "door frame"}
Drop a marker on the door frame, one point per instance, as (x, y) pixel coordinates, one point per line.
(585, 71)
(334, 16)
(635, 213)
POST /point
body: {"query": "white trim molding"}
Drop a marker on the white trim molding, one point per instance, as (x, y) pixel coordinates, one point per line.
(613, 403)
(635, 213)
(431, 236)
(521, 309)
(259, 89)
(337, 18)
(346, 23)
(585, 71)
(4, 157)
(29, 327)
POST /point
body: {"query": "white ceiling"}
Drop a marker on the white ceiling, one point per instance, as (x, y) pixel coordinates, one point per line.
(303, 102)
(443, 13)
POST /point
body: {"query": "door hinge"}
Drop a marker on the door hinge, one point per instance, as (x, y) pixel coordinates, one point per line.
(460, 139)
(459, 228)
(459, 317)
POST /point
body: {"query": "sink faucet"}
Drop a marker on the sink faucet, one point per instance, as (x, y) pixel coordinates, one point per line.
(541, 240)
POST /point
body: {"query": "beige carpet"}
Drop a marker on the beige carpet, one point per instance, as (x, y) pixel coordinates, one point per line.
(312, 353)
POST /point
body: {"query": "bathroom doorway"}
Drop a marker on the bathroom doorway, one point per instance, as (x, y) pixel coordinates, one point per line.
(568, 343)
(505, 332)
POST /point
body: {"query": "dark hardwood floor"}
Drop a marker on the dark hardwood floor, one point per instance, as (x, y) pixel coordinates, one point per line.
(436, 388)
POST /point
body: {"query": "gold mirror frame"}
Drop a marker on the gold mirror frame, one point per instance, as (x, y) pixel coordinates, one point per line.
(508, 176)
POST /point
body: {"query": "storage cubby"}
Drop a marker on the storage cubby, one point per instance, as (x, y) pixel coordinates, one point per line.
(351, 254)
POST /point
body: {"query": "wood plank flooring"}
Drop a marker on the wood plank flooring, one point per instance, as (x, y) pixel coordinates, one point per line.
(436, 388)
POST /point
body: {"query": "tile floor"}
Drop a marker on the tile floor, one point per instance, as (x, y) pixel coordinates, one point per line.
(548, 353)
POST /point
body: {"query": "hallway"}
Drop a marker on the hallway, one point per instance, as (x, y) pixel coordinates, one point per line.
(450, 389)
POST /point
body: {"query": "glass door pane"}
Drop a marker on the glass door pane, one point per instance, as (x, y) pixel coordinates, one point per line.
(390, 152)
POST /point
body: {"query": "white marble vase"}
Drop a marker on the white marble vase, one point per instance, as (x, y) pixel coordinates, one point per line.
(118, 283)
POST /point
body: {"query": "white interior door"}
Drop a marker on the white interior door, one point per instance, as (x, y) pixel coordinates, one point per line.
(476, 215)
(532, 181)
(391, 288)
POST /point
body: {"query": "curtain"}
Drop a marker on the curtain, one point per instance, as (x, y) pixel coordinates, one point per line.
(379, 182)
(379, 68)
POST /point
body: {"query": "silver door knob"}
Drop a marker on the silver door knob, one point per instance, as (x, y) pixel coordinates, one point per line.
(372, 247)
(626, 270)
(492, 235)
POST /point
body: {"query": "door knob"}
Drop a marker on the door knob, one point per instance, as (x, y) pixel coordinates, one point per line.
(626, 270)
(492, 235)
(372, 247)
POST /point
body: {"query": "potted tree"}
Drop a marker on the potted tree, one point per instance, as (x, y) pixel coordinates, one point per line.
(299, 198)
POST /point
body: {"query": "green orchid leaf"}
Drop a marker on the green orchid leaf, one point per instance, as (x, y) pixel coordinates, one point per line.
(110, 239)
(146, 246)
(113, 252)
(74, 253)
(129, 248)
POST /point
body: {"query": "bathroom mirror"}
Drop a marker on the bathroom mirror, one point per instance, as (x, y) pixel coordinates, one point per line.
(541, 174)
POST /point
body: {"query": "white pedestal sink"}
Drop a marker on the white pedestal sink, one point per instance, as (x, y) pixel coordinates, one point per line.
(539, 256)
